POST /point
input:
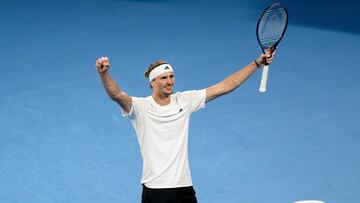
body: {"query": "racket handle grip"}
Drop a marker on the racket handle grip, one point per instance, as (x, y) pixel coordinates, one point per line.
(264, 78)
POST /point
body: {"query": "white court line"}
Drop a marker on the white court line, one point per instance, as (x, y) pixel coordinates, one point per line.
(309, 201)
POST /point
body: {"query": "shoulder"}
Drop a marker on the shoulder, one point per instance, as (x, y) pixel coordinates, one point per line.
(141, 100)
(190, 95)
(190, 92)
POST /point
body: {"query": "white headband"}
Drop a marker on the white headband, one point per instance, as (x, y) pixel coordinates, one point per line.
(160, 70)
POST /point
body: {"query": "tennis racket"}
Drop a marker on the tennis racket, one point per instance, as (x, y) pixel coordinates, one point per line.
(270, 30)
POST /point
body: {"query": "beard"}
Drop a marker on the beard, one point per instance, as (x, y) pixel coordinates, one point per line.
(168, 90)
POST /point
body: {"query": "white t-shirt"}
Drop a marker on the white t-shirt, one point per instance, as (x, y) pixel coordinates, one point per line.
(162, 133)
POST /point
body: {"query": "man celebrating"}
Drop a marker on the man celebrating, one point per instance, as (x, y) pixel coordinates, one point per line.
(161, 122)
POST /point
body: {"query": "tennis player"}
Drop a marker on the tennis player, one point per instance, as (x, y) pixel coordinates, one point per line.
(161, 122)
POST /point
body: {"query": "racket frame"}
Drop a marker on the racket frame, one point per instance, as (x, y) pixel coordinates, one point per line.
(265, 72)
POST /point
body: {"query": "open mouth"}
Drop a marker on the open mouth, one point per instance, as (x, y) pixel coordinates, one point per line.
(168, 88)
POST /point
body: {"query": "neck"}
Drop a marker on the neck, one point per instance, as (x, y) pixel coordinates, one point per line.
(161, 100)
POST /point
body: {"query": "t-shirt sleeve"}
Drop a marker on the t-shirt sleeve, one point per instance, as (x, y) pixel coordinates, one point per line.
(195, 99)
(137, 107)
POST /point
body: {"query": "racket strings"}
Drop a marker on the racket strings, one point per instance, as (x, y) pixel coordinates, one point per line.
(271, 26)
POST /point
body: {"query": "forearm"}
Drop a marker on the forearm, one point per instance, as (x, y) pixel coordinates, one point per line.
(235, 80)
(111, 87)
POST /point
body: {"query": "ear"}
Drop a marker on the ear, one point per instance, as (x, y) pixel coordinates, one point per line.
(150, 85)
(151, 82)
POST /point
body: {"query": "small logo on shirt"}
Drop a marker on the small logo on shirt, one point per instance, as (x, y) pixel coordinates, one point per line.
(180, 110)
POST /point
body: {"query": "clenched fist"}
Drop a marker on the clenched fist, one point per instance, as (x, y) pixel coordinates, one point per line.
(102, 64)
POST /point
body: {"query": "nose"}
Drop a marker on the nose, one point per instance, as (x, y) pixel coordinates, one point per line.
(169, 80)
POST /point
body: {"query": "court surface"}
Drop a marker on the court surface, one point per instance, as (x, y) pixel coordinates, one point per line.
(62, 139)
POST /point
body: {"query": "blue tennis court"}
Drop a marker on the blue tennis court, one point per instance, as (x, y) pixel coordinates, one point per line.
(63, 140)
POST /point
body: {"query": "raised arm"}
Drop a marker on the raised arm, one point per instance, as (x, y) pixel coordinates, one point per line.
(236, 79)
(112, 88)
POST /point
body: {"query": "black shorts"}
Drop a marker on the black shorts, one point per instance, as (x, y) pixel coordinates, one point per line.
(168, 195)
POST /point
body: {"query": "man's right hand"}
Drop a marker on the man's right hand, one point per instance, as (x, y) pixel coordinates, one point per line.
(102, 64)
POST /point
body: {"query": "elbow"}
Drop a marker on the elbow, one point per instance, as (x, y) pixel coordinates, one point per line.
(117, 96)
(223, 89)
(227, 88)
(113, 97)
